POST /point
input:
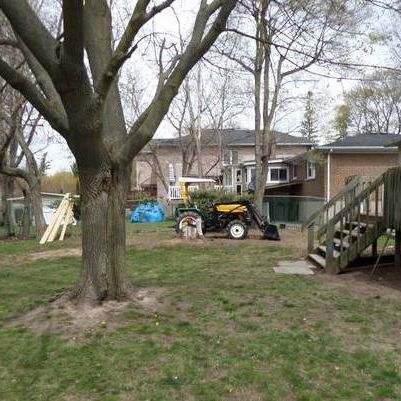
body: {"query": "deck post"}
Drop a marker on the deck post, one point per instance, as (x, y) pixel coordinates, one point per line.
(399, 154)
(331, 265)
(311, 238)
(397, 253)
(374, 248)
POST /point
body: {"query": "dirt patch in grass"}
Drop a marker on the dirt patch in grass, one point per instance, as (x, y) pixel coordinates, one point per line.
(75, 321)
(386, 283)
(26, 257)
(54, 254)
(150, 299)
(294, 240)
(245, 394)
(149, 240)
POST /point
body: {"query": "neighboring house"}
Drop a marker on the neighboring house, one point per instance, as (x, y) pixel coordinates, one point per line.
(300, 180)
(324, 171)
(227, 156)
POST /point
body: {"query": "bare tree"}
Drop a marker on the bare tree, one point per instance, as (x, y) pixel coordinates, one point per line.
(83, 104)
(19, 122)
(309, 123)
(342, 121)
(185, 128)
(227, 100)
(287, 38)
(18, 133)
(375, 104)
(153, 160)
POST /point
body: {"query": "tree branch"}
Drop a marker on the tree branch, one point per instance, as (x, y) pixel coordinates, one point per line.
(30, 159)
(138, 19)
(199, 44)
(34, 34)
(14, 172)
(44, 81)
(33, 95)
(73, 45)
(8, 42)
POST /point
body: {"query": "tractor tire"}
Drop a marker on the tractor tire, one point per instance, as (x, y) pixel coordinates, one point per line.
(187, 218)
(237, 230)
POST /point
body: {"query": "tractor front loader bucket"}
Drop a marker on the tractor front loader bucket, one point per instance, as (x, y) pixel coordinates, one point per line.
(270, 232)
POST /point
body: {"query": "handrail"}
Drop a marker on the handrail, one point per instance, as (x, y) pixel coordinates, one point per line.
(356, 201)
(351, 211)
(318, 215)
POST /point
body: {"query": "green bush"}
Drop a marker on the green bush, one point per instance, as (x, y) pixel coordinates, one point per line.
(143, 197)
(205, 198)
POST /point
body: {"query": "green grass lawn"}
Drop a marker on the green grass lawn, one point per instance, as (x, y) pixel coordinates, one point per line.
(226, 328)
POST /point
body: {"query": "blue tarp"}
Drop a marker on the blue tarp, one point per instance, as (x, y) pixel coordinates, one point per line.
(147, 213)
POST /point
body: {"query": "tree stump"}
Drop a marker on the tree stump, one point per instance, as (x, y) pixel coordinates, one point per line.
(192, 230)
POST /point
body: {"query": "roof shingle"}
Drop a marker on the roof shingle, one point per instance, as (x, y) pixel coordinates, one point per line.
(233, 137)
(365, 140)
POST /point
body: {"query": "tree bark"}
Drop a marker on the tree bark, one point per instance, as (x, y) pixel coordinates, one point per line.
(103, 235)
(34, 190)
(261, 181)
(257, 71)
(26, 215)
(8, 192)
(37, 208)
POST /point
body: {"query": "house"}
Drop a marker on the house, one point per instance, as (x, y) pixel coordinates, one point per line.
(321, 173)
(228, 156)
(325, 170)
(301, 177)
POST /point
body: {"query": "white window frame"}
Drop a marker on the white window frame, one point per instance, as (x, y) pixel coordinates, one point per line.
(269, 178)
(230, 161)
(312, 166)
(294, 164)
(249, 174)
(228, 173)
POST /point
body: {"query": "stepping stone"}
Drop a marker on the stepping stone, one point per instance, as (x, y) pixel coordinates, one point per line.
(300, 267)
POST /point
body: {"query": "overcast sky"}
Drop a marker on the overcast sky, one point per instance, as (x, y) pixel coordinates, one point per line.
(328, 85)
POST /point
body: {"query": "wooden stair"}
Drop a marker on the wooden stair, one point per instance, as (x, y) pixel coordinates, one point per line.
(347, 225)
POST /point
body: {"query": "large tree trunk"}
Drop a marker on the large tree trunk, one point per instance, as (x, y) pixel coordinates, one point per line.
(7, 193)
(261, 186)
(37, 208)
(26, 215)
(103, 235)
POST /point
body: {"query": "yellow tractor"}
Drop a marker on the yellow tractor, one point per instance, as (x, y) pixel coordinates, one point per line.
(234, 217)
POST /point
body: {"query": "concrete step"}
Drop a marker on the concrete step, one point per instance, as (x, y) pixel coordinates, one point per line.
(323, 248)
(320, 260)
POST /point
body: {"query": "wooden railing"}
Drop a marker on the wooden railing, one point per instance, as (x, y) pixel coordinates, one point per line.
(317, 223)
(174, 191)
(358, 225)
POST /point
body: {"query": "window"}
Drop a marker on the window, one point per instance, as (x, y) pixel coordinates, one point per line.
(295, 171)
(251, 174)
(228, 177)
(278, 174)
(230, 158)
(311, 170)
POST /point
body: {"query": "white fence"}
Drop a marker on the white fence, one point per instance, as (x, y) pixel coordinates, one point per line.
(174, 190)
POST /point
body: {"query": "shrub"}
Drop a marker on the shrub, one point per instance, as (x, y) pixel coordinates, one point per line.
(205, 198)
(143, 197)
